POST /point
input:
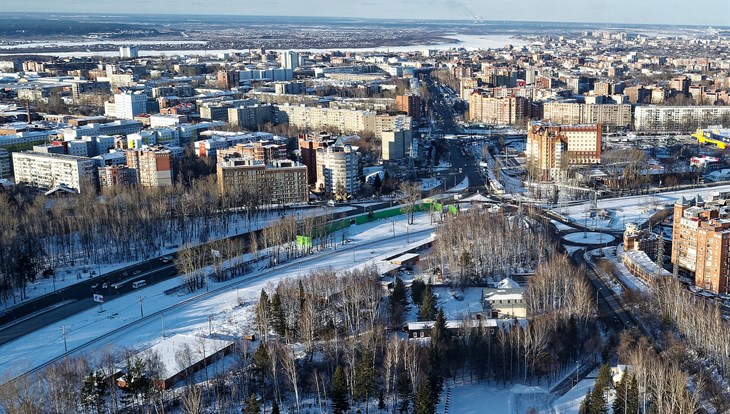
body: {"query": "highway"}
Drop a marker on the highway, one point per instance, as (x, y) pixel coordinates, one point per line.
(56, 306)
(366, 249)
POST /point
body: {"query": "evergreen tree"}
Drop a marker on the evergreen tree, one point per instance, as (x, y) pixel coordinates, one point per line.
(427, 311)
(599, 402)
(364, 378)
(632, 401)
(398, 297)
(585, 405)
(417, 288)
(93, 391)
(604, 380)
(435, 374)
(423, 402)
(404, 389)
(260, 364)
(340, 402)
(253, 406)
(377, 183)
(275, 408)
(278, 323)
(439, 334)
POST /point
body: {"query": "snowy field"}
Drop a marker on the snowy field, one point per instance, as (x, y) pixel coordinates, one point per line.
(230, 304)
(430, 183)
(588, 237)
(481, 398)
(68, 275)
(623, 210)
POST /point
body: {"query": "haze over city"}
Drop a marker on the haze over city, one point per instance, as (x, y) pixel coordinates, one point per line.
(702, 12)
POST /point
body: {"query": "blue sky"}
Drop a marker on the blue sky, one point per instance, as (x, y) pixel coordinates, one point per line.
(697, 12)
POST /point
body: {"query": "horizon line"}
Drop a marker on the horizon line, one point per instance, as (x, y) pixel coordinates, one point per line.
(422, 19)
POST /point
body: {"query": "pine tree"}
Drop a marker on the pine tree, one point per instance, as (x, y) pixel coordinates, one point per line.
(340, 402)
(275, 408)
(398, 297)
(277, 315)
(260, 363)
(585, 405)
(253, 406)
(364, 377)
(622, 392)
(632, 401)
(377, 183)
(93, 391)
(423, 402)
(263, 314)
(604, 382)
(435, 375)
(439, 334)
(404, 389)
(427, 311)
(417, 289)
(599, 403)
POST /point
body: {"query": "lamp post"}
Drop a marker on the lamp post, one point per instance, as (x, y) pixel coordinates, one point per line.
(599, 289)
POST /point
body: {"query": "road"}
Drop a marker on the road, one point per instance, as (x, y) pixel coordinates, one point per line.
(56, 306)
(363, 251)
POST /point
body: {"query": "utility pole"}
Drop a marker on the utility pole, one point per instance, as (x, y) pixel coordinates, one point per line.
(163, 324)
(140, 299)
(63, 332)
(210, 325)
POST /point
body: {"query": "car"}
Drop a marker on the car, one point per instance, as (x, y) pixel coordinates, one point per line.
(105, 285)
(94, 286)
(136, 272)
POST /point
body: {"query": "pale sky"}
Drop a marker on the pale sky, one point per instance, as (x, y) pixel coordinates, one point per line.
(691, 12)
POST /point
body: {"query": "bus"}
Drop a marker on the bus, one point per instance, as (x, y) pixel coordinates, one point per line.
(139, 284)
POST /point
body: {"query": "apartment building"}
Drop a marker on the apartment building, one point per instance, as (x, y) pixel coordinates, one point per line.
(153, 166)
(552, 148)
(281, 182)
(115, 175)
(410, 104)
(611, 115)
(509, 110)
(316, 118)
(49, 170)
(264, 152)
(308, 146)
(395, 145)
(251, 116)
(701, 242)
(679, 118)
(338, 171)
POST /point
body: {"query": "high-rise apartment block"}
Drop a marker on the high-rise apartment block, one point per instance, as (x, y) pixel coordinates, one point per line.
(128, 52)
(290, 60)
(153, 166)
(116, 175)
(46, 171)
(128, 105)
(552, 148)
(228, 79)
(410, 104)
(338, 171)
(282, 182)
(701, 242)
(396, 144)
(308, 146)
(6, 170)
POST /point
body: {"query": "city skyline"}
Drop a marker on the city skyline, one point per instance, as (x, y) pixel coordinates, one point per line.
(649, 12)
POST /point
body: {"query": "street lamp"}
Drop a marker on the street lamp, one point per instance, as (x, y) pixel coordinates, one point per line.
(599, 289)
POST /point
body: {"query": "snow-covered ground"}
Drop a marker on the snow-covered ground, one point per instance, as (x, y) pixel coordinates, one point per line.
(442, 166)
(68, 275)
(430, 183)
(623, 210)
(370, 242)
(480, 398)
(570, 402)
(588, 237)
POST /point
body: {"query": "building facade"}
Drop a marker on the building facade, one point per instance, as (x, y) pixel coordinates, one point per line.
(509, 110)
(50, 170)
(552, 148)
(679, 118)
(701, 242)
(611, 115)
(283, 182)
(338, 171)
(153, 166)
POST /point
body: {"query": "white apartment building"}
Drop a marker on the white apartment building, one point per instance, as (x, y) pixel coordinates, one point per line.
(49, 170)
(395, 144)
(315, 118)
(290, 60)
(123, 127)
(129, 105)
(338, 171)
(612, 115)
(679, 118)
